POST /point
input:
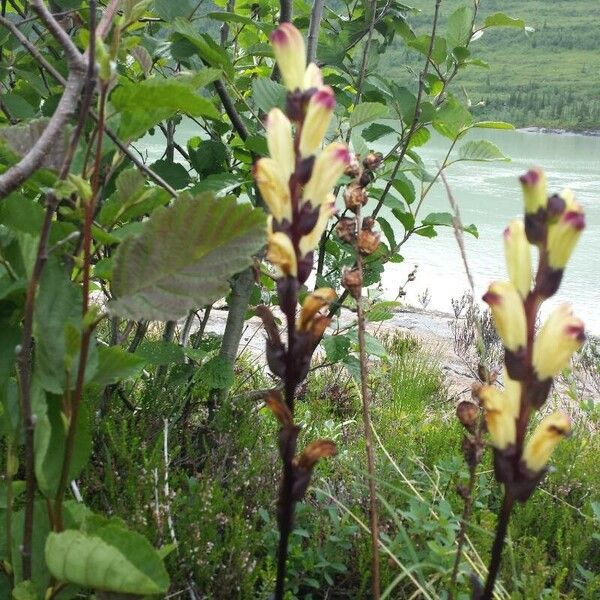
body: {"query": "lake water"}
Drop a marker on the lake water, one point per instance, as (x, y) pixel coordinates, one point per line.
(489, 196)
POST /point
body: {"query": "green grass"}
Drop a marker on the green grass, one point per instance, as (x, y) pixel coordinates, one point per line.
(546, 78)
(224, 484)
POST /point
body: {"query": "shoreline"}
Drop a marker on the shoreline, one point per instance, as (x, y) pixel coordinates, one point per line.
(560, 131)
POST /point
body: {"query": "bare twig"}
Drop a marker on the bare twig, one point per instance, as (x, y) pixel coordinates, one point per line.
(366, 414)
(313, 30)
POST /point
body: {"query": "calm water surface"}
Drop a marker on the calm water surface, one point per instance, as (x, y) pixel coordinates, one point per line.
(489, 196)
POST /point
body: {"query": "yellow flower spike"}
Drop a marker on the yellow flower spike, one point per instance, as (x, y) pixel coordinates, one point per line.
(290, 54)
(563, 235)
(273, 188)
(512, 394)
(509, 314)
(280, 142)
(535, 192)
(328, 168)
(545, 438)
(312, 77)
(280, 252)
(518, 257)
(318, 116)
(499, 417)
(560, 337)
(313, 304)
(310, 241)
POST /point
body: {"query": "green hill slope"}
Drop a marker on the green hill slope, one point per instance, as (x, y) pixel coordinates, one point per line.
(549, 77)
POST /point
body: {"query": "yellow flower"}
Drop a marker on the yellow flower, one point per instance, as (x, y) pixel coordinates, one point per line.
(560, 337)
(499, 417)
(290, 54)
(545, 438)
(312, 77)
(535, 191)
(280, 142)
(280, 252)
(563, 235)
(310, 241)
(313, 304)
(512, 394)
(328, 168)
(518, 257)
(273, 188)
(318, 116)
(509, 314)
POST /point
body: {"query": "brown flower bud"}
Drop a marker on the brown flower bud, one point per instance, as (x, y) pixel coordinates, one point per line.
(278, 407)
(313, 452)
(368, 241)
(368, 223)
(366, 178)
(373, 160)
(467, 413)
(346, 230)
(352, 281)
(354, 197)
(354, 169)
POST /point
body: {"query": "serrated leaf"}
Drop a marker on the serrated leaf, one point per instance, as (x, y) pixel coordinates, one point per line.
(268, 94)
(452, 118)
(502, 20)
(458, 30)
(336, 347)
(216, 373)
(110, 559)
(388, 232)
(481, 151)
(173, 173)
(367, 112)
(375, 131)
(445, 219)
(422, 42)
(159, 352)
(116, 364)
(382, 311)
(219, 184)
(184, 257)
(143, 104)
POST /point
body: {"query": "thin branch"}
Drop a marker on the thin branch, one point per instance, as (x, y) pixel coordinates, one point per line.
(316, 16)
(417, 113)
(285, 11)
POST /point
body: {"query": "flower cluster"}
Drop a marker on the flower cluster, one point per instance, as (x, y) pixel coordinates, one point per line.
(552, 224)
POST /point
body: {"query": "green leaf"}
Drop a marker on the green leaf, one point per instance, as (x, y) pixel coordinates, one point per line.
(26, 590)
(452, 118)
(482, 151)
(458, 31)
(116, 364)
(50, 441)
(493, 125)
(169, 10)
(268, 94)
(184, 257)
(372, 345)
(375, 131)
(217, 373)
(421, 43)
(173, 173)
(230, 17)
(57, 313)
(158, 352)
(219, 183)
(207, 49)
(445, 219)
(20, 213)
(336, 347)
(405, 186)
(143, 104)
(108, 558)
(388, 232)
(367, 112)
(502, 20)
(382, 311)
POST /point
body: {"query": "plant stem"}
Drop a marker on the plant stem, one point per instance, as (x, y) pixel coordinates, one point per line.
(501, 529)
(286, 514)
(366, 415)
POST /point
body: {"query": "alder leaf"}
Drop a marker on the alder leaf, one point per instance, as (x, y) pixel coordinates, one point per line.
(108, 558)
(184, 257)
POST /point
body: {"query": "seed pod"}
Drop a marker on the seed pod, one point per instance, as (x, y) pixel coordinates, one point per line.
(352, 281)
(368, 241)
(346, 230)
(368, 223)
(354, 169)
(355, 197)
(373, 160)
(467, 413)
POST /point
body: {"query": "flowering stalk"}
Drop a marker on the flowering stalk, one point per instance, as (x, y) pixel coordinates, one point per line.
(553, 224)
(295, 182)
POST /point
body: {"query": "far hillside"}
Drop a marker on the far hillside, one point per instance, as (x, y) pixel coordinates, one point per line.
(549, 77)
